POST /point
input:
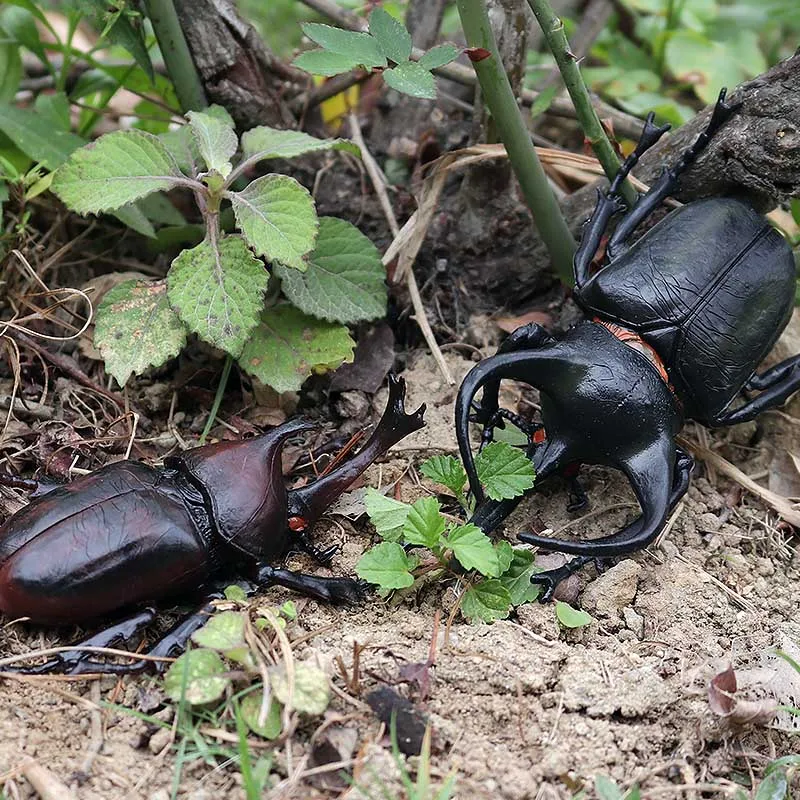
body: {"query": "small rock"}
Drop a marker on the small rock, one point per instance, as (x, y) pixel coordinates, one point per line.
(352, 405)
(610, 592)
(159, 740)
(634, 621)
(161, 794)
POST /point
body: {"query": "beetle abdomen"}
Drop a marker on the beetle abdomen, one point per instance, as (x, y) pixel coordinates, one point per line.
(710, 288)
(118, 537)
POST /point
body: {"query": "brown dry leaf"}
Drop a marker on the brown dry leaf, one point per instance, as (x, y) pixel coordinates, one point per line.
(723, 701)
(510, 324)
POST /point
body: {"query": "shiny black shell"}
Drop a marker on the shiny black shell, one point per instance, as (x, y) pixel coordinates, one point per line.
(710, 288)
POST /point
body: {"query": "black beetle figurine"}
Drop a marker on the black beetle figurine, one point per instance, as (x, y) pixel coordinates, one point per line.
(681, 318)
(130, 534)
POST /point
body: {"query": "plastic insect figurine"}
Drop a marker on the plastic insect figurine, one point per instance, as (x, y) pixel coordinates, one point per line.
(129, 534)
(680, 320)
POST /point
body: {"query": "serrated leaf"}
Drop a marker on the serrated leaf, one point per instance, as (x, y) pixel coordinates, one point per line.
(504, 471)
(251, 711)
(288, 345)
(439, 56)
(386, 565)
(136, 329)
(487, 601)
(323, 62)
(277, 217)
(217, 289)
(216, 140)
(359, 46)
(344, 281)
(505, 555)
(117, 169)
(201, 672)
(571, 617)
(392, 37)
(311, 689)
(424, 524)
(474, 549)
(411, 79)
(223, 631)
(517, 578)
(386, 514)
(263, 143)
(446, 470)
(35, 136)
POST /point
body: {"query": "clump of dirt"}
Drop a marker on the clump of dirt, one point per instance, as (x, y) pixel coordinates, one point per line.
(520, 709)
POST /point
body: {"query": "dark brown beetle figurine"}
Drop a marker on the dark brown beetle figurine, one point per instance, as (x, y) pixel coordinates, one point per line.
(129, 534)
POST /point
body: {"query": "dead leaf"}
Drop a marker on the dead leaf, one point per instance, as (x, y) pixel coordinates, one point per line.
(724, 701)
(510, 324)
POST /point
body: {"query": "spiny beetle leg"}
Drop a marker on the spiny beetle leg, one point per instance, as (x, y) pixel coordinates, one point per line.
(331, 590)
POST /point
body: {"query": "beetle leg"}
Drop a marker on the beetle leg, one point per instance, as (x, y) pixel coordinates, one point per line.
(331, 590)
(668, 182)
(13, 482)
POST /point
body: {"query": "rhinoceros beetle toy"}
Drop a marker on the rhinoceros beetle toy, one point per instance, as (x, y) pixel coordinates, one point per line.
(130, 534)
(680, 319)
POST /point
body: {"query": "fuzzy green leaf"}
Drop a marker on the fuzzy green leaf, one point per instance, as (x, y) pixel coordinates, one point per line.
(135, 328)
(411, 79)
(216, 140)
(288, 345)
(361, 47)
(235, 593)
(386, 514)
(504, 471)
(201, 672)
(439, 56)
(251, 711)
(392, 37)
(344, 281)
(487, 601)
(117, 169)
(278, 219)
(264, 143)
(474, 549)
(323, 62)
(311, 689)
(571, 617)
(217, 289)
(386, 565)
(424, 524)
(517, 578)
(34, 134)
(223, 631)
(446, 470)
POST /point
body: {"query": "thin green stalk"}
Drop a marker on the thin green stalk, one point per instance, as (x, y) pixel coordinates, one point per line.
(553, 30)
(500, 99)
(223, 382)
(177, 58)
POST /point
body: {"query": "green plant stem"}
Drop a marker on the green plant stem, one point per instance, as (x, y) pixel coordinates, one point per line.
(553, 30)
(501, 102)
(223, 382)
(177, 58)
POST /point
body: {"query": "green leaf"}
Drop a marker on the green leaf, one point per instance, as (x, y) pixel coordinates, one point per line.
(224, 631)
(117, 169)
(487, 601)
(289, 610)
(311, 689)
(446, 470)
(358, 46)
(135, 328)
(10, 68)
(216, 140)
(505, 555)
(517, 578)
(386, 565)
(543, 100)
(323, 62)
(345, 280)
(386, 514)
(278, 219)
(439, 56)
(55, 108)
(235, 593)
(132, 216)
(504, 471)
(411, 79)
(424, 524)
(392, 37)
(288, 345)
(263, 143)
(251, 712)
(571, 617)
(774, 787)
(35, 136)
(201, 672)
(606, 788)
(217, 289)
(20, 24)
(474, 549)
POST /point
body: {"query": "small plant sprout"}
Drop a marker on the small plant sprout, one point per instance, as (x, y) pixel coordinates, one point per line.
(329, 273)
